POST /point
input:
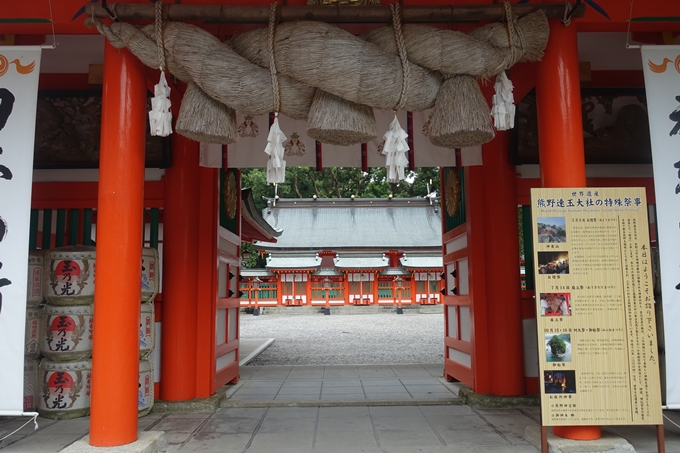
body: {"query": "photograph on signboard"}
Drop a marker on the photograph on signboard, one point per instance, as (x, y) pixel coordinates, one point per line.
(558, 347)
(556, 262)
(551, 229)
(555, 304)
(562, 381)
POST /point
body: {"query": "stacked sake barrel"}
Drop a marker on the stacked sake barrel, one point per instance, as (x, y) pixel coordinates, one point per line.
(34, 299)
(65, 375)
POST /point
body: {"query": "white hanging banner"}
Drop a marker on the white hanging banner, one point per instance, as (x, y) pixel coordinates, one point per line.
(662, 83)
(19, 70)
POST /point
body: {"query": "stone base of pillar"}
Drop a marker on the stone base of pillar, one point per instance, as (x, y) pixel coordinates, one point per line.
(400, 311)
(147, 442)
(256, 312)
(327, 311)
(608, 442)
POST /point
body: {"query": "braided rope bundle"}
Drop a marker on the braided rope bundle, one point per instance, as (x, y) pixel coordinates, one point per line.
(336, 78)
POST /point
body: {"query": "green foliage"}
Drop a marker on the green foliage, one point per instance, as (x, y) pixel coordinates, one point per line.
(338, 182)
(557, 345)
(254, 260)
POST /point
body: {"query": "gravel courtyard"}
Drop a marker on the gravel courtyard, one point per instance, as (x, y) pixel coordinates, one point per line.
(347, 339)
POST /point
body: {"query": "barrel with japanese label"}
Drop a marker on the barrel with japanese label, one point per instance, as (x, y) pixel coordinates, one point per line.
(67, 332)
(150, 274)
(32, 336)
(145, 393)
(147, 330)
(34, 293)
(64, 389)
(30, 384)
(69, 275)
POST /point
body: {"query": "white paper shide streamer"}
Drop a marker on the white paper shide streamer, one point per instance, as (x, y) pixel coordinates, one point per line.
(503, 110)
(395, 151)
(160, 117)
(276, 166)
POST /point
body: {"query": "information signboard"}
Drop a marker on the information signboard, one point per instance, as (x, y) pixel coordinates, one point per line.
(598, 356)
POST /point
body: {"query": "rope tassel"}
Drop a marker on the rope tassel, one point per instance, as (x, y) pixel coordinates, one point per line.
(395, 150)
(503, 110)
(276, 166)
(160, 117)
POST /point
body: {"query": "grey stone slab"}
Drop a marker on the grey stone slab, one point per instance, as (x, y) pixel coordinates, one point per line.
(340, 390)
(272, 442)
(446, 412)
(386, 389)
(341, 383)
(229, 425)
(313, 391)
(375, 371)
(474, 435)
(215, 442)
(608, 442)
(307, 372)
(293, 412)
(436, 388)
(432, 395)
(347, 423)
(341, 372)
(271, 391)
(48, 443)
(288, 424)
(303, 383)
(147, 442)
(395, 411)
(408, 438)
(388, 396)
(343, 412)
(179, 425)
(201, 415)
(75, 426)
(240, 412)
(296, 397)
(419, 381)
(343, 397)
(381, 382)
(401, 423)
(263, 384)
(512, 426)
(349, 440)
(252, 397)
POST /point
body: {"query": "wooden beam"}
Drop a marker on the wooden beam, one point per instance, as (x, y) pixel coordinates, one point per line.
(336, 14)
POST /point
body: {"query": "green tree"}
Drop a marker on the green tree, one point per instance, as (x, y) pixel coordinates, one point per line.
(557, 345)
(304, 182)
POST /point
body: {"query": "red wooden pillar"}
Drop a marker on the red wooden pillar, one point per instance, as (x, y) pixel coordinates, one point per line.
(560, 137)
(115, 357)
(501, 251)
(180, 260)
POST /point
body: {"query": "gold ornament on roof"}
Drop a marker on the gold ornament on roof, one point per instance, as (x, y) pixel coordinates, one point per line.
(229, 194)
(453, 194)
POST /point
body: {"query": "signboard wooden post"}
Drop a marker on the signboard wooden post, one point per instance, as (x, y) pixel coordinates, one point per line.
(598, 356)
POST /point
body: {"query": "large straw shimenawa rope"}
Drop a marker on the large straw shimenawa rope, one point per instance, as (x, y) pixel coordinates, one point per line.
(336, 78)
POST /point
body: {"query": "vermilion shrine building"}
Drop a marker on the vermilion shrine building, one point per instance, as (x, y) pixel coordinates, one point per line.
(359, 251)
(202, 223)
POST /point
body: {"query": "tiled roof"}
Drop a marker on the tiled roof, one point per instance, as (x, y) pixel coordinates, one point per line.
(361, 261)
(298, 261)
(336, 224)
(417, 261)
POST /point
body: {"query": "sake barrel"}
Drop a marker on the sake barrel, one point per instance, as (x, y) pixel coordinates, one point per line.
(150, 275)
(67, 332)
(69, 275)
(30, 385)
(147, 330)
(32, 336)
(145, 394)
(64, 389)
(34, 293)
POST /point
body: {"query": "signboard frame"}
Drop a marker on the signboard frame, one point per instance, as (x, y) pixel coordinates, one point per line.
(594, 291)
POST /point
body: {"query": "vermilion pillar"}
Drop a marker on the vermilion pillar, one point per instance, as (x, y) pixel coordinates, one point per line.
(501, 252)
(180, 261)
(560, 137)
(115, 356)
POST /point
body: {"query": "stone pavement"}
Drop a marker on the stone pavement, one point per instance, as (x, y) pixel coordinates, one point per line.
(371, 409)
